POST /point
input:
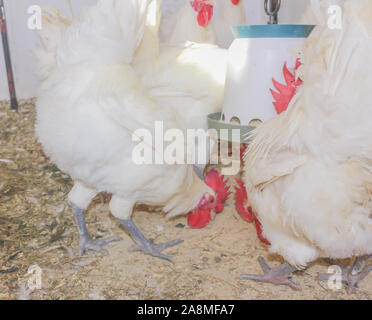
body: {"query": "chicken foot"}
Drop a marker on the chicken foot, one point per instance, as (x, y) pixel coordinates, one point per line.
(351, 276)
(278, 276)
(147, 246)
(86, 242)
(360, 264)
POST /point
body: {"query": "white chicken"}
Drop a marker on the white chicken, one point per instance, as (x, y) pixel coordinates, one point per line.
(91, 102)
(308, 172)
(190, 78)
(201, 21)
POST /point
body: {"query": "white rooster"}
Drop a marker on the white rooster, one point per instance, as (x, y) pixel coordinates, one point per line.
(90, 103)
(201, 21)
(308, 172)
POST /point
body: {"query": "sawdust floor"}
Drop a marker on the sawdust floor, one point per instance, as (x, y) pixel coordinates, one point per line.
(37, 229)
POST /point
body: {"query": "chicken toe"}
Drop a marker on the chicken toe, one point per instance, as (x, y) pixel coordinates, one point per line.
(97, 245)
(350, 276)
(360, 264)
(86, 242)
(147, 246)
(278, 276)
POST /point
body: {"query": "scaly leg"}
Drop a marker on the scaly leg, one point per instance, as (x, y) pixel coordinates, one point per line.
(360, 264)
(351, 276)
(147, 246)
(86, 242)
(278, 276)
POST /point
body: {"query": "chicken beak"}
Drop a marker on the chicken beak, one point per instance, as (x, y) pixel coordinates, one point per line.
(213, 214)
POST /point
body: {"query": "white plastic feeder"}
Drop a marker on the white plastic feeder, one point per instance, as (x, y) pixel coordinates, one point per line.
(256, 57)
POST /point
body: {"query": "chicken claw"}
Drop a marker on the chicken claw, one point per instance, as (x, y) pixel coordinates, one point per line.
(351, 276)
(278, 276)
(86, 242)
(147, 246)
(156, 249)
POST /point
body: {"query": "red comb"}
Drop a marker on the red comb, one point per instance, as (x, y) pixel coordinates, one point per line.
(219, 185)
(247, 212)
(258, 226)
(198, 219)
(241, 200)
(285, 92)
(235, 2)
(204, 10)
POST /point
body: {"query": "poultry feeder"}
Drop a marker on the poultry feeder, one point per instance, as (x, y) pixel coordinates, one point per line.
(261, 74)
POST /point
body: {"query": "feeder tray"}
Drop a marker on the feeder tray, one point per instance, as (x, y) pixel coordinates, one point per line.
(214, 122)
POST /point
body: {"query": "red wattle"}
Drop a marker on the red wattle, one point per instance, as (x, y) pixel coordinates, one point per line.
(235, 2)
(198, 219)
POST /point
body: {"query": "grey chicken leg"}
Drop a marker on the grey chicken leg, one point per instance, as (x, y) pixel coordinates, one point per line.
(278, 276)
(144, 245)
(86, 242)
(351, 276)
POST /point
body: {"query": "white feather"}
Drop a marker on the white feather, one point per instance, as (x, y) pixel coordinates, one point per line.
(92, 100)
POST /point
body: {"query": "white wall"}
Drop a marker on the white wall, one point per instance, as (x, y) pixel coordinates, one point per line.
(22, 40)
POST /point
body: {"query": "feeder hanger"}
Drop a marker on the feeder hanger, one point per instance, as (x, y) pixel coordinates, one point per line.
(272, 8)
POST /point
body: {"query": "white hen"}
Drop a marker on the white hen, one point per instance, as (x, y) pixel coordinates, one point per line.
(190, 79)
(201, 21)
(308, 172)
(90, 102)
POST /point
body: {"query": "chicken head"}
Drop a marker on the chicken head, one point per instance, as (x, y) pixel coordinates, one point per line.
(204, 8)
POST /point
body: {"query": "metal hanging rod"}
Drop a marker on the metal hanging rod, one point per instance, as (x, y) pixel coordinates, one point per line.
(272, 8)
(8, 61)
